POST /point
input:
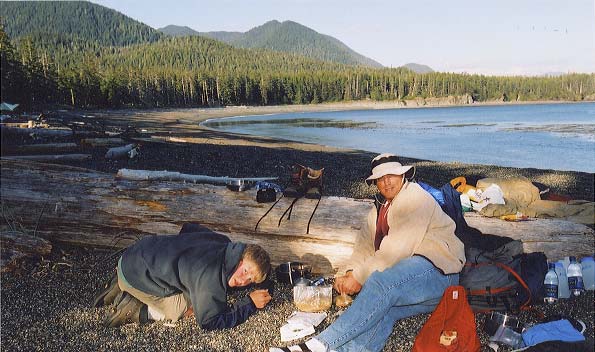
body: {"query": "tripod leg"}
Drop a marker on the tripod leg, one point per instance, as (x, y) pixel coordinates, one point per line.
(265, 214)
(286, 210)
(311, 216)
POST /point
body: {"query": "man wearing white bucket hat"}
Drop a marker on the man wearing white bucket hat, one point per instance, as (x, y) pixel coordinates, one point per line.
(405, 257)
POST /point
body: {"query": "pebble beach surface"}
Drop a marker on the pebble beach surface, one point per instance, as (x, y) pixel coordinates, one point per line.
(46, 304)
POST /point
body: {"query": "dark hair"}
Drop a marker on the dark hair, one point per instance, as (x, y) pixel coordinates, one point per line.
(257, 255)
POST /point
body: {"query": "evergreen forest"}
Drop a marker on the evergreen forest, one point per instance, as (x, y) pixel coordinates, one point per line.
(84, 55)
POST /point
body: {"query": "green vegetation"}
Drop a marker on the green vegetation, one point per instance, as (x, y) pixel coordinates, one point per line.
(76, 25)
(294, 38)
(417, 68)
(84, 55)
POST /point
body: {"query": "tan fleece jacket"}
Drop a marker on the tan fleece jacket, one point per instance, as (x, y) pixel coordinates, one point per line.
(417, 225)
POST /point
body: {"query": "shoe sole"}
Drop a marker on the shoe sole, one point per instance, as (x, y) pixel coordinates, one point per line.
(107, 296)
(124, 314)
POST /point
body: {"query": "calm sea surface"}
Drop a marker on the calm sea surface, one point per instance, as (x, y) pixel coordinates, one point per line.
(548, 136)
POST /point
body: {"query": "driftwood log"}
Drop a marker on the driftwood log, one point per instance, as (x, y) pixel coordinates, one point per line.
(121, 152)
(92, 208)
(102, 142)
(16, 246)
(43, 148)
(49, 157)
(145, 175)
(41, 132)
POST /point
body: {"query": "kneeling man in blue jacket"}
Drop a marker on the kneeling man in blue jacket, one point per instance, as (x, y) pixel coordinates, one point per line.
(168, 277)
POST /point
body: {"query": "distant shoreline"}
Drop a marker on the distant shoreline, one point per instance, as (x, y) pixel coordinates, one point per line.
(239, 111)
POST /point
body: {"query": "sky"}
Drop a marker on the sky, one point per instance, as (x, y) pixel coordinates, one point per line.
(495, 37)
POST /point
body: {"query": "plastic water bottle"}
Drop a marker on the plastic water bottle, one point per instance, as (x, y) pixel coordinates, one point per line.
(575, 277)
(563, 291)
(588, 268)
(565, 261)
(551, 284)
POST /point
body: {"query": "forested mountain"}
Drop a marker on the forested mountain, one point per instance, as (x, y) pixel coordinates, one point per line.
(292, 37)
(177, 31)
(73, 24)
(109, 71)
(418, 68)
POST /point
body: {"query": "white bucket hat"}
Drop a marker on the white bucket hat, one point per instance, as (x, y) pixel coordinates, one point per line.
(388, 164)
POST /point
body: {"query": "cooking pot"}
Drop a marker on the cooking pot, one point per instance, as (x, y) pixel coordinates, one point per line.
(495, 320)
(290, 272)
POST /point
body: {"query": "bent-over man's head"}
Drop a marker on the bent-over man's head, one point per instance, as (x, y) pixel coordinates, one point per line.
(252, 268)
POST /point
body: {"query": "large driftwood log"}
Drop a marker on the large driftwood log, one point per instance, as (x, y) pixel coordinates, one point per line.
(92, 208)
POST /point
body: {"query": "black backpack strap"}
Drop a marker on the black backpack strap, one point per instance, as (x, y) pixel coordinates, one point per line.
(506, 303)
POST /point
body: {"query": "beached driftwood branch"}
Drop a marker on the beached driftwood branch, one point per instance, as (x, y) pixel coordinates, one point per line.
(41, 132)
(101, 142)
(49, 157)
(93, 208)
(121, 152)
(44, 148)
(146, 175)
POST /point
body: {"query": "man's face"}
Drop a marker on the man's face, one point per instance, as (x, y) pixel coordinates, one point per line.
(389, 185)
(244, 274)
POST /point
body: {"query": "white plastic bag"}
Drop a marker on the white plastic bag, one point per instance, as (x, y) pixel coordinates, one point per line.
(491, 195)
(293, 331)
(306, 318)
(313, 298)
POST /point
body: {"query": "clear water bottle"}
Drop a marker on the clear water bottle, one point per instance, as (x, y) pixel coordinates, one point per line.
(588, 268)
(565, 261)
(563, 291)
(551, 284)
(575, 277)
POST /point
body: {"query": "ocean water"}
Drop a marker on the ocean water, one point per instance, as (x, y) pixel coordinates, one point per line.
(543, 136)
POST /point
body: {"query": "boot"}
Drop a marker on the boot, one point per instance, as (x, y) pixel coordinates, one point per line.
(108, 294)
(314, 182)
(298, 182)
(129, 310)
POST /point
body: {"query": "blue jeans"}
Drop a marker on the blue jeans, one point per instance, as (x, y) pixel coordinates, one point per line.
(410, 287)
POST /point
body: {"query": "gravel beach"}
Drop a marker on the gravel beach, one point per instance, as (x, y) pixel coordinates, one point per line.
(46, 304)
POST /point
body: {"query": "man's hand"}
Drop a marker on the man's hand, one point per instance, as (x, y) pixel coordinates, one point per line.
(347, 284)
(260, 298)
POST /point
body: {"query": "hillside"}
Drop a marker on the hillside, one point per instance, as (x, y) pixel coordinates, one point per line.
(294, 38)
(418, 68)
(84, 55)
(177, 31)
(73, 24)
(203, 54)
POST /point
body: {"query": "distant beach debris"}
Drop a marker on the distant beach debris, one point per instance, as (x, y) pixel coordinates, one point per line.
(8, 107)
(573, 129)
